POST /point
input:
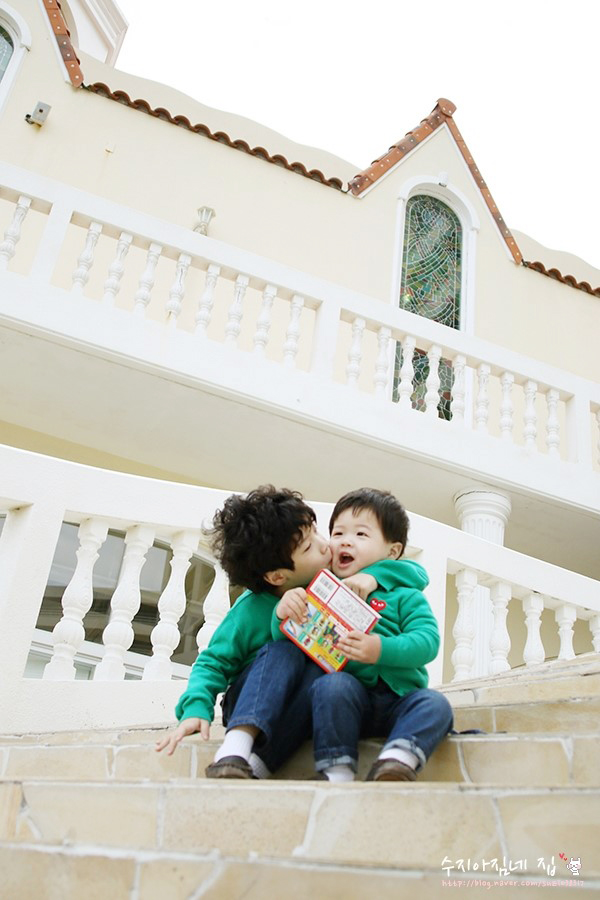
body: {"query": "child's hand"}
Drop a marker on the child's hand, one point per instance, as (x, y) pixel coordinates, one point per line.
(364, 648)
(188, 726)
(293, 604)
(362, 584)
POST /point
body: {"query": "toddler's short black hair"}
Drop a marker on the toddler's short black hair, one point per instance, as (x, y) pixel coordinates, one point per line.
(257, 533)
(388, 511)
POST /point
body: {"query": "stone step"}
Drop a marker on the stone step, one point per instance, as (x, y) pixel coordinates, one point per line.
(56, 872)
(514, 759)
(417, 827)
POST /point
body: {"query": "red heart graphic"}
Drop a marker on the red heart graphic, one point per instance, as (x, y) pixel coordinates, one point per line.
(562, 855)
(378, 604)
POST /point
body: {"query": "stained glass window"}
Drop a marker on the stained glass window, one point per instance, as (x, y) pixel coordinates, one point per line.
(6, 50)
(430, 286)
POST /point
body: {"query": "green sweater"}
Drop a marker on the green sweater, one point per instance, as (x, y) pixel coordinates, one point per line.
(235, 643)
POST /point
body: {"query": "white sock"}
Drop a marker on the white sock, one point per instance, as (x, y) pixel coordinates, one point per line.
(236, 743)
(404, 756)
(339, 773)
(258, 767)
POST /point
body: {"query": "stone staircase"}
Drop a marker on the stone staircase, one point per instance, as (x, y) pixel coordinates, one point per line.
(100, 814)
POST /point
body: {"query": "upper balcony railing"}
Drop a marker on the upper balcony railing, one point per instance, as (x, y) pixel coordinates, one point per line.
(540, 611)
(170, 284)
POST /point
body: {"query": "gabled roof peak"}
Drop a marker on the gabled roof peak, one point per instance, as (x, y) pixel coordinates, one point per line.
(441, 114)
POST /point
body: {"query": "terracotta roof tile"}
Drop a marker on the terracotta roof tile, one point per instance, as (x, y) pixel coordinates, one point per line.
(565, 279)
(63, 39)
(221, 136)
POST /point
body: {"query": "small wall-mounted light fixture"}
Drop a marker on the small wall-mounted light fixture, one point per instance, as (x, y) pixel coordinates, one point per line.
(443, 179)
(39, 114)
(205, 214)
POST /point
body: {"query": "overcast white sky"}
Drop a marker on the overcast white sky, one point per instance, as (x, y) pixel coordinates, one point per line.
(353, 78)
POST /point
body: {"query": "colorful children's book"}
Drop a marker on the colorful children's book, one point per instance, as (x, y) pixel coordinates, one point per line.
(333, 611)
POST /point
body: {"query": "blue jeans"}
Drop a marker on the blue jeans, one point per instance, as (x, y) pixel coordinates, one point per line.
(344, 710)
(273, 694)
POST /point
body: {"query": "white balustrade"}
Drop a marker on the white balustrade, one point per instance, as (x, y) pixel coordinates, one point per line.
(458, 389)
(382, 363)
(565, 616)
(552, 423)
(171, 606)
(216, 607)
(482, 404)
(12, 235)
(407, 372)
(263, 323)
(533, 653)
(177, 291)
(69, 633)
(86, 259)
(146, 283)
(355, 352)
(432, 384)
(116, 269)
(207, 300)
(236, 310)
(530, 429)
(500, 595)
(292, 335)
(463, 631)
(507, 380)
(118, 634)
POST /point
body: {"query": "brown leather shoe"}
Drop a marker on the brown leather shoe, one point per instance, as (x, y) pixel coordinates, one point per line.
(390, 770)
(229, 767)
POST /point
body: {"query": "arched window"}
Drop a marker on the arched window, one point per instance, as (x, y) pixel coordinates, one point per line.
(430, 285)
(6, 50)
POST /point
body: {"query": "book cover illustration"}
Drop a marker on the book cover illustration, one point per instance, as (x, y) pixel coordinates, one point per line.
(333, 611)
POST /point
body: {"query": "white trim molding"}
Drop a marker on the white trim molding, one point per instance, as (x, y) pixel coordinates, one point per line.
(20, 33)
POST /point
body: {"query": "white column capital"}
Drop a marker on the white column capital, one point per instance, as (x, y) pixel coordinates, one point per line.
(483, 513)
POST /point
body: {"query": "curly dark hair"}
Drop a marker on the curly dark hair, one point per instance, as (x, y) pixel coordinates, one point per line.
(258, 533)
(389, 512)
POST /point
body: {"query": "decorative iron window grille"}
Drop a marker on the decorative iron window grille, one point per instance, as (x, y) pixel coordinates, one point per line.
(6, 50)
(430, 287)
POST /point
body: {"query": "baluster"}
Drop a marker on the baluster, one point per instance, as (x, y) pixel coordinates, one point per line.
(530, 430)
(12, 235)
(69, 633)
(533, 653)
(116, 269)
(407, 373)
(482, 403)
(292, 335)
(507, 380)
(177, 289)
(216, 607)
(552, 424)
(118, 634)
(500, 595)
(565, 616)
(146, 283)
(234, 316)
(207, 300)
(595, 632)
(263, 323)
(84, 262)
(355, 352)
(464, 630)
(432, 395)
(458, 389)
(171, 606)
(382, 363)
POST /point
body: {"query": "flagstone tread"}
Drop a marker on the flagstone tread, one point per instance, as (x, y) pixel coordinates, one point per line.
(60, 873)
